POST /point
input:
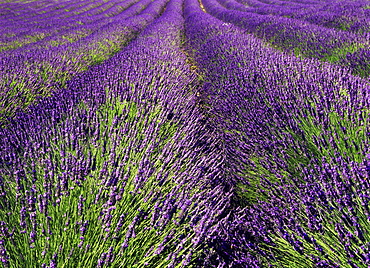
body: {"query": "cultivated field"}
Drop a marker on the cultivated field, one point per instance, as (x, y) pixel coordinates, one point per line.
(184, 133)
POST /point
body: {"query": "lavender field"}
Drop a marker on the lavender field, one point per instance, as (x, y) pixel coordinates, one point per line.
(184, 133)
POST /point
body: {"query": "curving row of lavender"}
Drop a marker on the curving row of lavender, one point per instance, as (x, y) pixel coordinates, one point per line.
(350, 16)
(112, 170)
(301, 37)
(150, 133)
(37, 67)
(295, 133)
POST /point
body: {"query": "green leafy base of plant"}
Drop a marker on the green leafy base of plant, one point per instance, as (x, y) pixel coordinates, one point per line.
(342, 52)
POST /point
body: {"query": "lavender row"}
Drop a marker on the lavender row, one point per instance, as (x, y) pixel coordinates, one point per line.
(45, 29)
(60, 34)
(16, 32)
(346, 16)
(261, 8)
(35, 73)
(262, 3)
(25, 16)
(293, 36)
(295, 133)
(258, 4)
(351, 16)
(118, 169)
(62, 26)
(83, 33)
